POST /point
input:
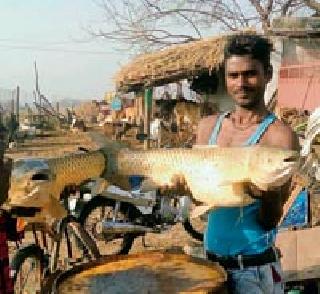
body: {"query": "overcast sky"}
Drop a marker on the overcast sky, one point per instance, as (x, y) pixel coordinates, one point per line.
(52, 32)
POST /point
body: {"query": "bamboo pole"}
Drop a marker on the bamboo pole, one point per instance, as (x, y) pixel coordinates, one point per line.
(147, 115)
(18, 105)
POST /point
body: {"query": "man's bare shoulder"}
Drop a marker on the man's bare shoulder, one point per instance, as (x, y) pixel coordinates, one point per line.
(282, 135)
(204, 130)
(279, 127)
(208, 120)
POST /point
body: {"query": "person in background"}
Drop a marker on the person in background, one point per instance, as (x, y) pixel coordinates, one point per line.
(10, 228)
(155, 130)
(242, 239)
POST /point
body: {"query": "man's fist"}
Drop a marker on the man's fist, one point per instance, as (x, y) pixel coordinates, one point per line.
(178, 186)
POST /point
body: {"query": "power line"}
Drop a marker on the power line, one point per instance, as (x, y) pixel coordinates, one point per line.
(21, 41)
(35, 48)
(46, 43)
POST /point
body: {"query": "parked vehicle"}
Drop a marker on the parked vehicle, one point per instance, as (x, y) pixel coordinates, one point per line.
(116, 217)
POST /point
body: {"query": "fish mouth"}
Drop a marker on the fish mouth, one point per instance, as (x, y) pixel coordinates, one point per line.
(22, 211)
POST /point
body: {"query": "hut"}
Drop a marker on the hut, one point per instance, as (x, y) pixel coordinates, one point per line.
(198, 62)
(180, 62)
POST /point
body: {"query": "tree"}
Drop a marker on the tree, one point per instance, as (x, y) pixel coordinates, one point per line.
(86, 110)
(154, 24)
(313, 4)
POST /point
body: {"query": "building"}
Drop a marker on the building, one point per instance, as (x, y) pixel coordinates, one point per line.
(296, 62)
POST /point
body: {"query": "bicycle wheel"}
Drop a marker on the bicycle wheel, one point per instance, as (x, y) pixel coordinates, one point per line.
(195, 228)
(101, 208)
(28, 269)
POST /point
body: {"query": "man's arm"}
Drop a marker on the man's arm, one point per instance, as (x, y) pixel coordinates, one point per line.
(282, 136)
(272, 201)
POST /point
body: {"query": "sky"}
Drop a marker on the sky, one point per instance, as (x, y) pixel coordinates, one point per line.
(71, 64)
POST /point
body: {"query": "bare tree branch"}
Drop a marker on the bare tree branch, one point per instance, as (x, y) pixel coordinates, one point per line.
(286, 7)
(313, 4)
(150, 24)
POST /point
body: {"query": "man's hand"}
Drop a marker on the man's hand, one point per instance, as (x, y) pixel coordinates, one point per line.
(253, 190)
(272, 202)
(178, 186)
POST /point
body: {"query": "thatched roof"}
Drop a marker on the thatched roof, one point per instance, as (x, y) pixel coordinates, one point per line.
(171, 64)
(296, 27)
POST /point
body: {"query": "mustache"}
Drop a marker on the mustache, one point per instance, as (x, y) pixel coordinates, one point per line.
(243, 90)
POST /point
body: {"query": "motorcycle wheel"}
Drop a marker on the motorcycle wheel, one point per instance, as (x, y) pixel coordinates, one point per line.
(100, 208)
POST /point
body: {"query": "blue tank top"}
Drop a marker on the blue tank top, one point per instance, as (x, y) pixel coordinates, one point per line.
(235, 230)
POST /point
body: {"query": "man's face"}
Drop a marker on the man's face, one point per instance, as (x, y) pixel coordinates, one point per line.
(246, 80)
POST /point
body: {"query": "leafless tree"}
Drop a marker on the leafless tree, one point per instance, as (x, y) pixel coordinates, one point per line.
(313, 4)
(150, 24)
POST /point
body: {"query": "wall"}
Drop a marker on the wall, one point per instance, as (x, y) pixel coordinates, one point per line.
(299, 86)
(299, 76)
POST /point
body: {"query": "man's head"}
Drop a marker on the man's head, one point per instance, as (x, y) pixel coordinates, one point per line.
(247, 69)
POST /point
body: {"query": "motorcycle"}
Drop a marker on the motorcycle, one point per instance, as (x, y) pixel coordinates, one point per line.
(115, 217)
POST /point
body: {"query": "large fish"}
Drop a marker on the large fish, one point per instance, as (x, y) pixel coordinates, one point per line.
(215, 176)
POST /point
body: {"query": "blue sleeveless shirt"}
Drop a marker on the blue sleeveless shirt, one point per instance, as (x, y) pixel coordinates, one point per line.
(235, 230)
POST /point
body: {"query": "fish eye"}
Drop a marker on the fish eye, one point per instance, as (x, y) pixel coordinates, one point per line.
(40, 177)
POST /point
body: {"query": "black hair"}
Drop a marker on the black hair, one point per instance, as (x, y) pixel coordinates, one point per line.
(257, 47)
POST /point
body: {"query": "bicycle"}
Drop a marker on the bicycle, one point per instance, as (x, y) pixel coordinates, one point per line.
(32, 264)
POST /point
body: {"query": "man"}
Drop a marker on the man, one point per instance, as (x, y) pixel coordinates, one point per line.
(242, 239)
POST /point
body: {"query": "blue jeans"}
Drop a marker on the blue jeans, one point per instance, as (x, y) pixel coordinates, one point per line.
(263, 279)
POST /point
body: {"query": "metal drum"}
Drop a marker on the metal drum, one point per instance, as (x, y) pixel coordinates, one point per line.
(150, 272)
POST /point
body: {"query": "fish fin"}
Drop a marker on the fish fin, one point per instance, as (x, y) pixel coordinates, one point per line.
(200, 210)
(100, 184)
(233, 183)
(237, 188)
(204, 146)
(54, 208)
(121, 181)
(105, 144)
